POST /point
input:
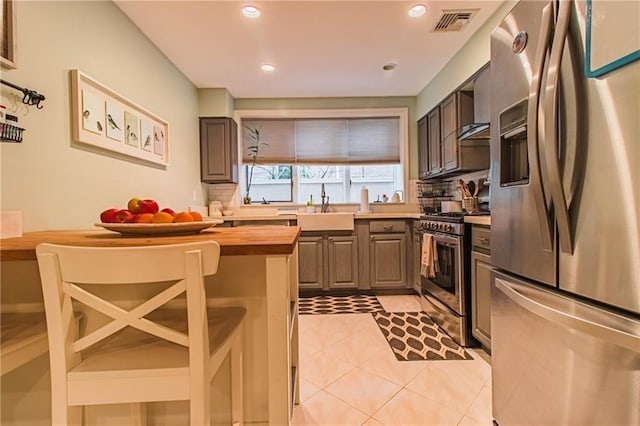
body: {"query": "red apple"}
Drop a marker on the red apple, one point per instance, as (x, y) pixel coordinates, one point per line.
(170, 211)
(148, 206)
(124, 216)
(108, 216)
(134, 205)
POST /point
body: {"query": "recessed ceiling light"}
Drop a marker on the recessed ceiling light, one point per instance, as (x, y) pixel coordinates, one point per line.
(268, 67)
(390, 66)
(251, 11)
(417, 10)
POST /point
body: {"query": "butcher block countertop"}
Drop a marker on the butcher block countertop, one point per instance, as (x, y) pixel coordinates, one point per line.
(257, 240)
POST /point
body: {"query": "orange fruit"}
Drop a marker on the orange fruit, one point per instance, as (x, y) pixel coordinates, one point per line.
(143, 218)
(162, 217)
(197, 217)
(183, 217)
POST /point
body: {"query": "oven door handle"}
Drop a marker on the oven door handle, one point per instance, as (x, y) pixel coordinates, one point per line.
(446, 240)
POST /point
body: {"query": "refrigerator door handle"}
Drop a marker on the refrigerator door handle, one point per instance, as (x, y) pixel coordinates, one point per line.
(560, 206)
(532, 126)
(537, 302)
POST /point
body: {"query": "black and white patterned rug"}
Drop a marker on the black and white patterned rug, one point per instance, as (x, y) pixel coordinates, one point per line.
(413, 336)
(356, 304)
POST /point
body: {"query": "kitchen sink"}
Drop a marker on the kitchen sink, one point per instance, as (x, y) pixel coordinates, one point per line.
(325, 221)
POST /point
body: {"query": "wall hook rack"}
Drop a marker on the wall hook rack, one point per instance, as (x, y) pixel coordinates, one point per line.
(31, 97)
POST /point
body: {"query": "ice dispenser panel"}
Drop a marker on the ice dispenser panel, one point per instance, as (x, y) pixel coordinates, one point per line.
(514, 159)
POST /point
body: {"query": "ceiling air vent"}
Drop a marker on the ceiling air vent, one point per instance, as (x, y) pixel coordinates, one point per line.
(454, 20)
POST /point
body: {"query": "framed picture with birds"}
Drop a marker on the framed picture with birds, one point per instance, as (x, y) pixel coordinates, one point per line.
(131, 129)
(8, 34)
(115, 121)
(103, 118)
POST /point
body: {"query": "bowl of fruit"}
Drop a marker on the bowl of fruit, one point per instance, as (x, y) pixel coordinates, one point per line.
(144, 217)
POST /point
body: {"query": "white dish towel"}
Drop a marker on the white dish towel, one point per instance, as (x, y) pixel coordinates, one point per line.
(429, 261)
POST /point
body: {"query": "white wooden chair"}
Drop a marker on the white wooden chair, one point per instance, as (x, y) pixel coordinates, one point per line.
(145, 353)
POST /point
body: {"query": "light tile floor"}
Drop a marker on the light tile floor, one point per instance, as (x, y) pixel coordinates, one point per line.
(349, 376)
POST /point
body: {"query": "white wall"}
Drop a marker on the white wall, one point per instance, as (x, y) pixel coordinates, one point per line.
(58, 184)
(473, 55)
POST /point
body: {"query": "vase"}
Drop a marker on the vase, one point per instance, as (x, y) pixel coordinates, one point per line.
(246, 200)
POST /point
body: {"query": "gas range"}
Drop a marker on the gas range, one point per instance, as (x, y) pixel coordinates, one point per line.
(448, 223)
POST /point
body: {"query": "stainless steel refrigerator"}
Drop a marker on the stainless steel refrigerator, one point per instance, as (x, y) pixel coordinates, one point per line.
(565, 223)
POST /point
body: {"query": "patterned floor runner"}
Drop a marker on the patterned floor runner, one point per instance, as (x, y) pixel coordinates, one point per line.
(413, 336)
(357, 304)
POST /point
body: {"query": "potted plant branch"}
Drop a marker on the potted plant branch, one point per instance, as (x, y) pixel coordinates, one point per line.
(254, 154)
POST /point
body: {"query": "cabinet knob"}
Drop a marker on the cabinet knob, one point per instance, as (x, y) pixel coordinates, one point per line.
(388, 227)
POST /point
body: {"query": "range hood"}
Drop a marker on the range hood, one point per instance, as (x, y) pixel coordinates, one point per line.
(474, 131)
(479, 129)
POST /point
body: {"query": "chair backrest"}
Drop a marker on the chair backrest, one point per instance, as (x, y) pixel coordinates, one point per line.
(67, 272)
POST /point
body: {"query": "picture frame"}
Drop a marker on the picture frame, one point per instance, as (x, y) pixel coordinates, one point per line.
(105, 119)
(8, 35)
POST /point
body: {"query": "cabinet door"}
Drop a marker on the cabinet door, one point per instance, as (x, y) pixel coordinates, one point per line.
(417, 261)
(433, 132)
(481, 297)
(310, 259)
(218, 150)
(388, 258)
(423, 147)
(343, 261)
(449, 127)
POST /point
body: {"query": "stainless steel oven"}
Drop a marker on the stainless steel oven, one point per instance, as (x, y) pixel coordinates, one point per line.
(446, 296)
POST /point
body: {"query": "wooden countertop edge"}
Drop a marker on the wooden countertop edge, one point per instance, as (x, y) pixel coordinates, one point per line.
(357, 216)
(478, 220)
(244, 241)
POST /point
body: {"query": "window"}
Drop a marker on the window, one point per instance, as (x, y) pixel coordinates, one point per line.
(270, 183)
(355, 148)
(343, 183)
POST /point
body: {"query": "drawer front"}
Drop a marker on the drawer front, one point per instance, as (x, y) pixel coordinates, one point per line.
(387, 226)
(481, 237)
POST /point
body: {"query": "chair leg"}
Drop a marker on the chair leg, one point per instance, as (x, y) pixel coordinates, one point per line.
(200, 406)
(138, 414)
(236, 380)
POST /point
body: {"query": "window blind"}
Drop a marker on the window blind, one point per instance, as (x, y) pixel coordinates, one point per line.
(278, 134)
(322, 141)
(374, 140)
(326, 140)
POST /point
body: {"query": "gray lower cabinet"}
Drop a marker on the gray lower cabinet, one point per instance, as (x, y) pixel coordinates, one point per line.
(311, 262)
(328, 262)
(481, 286)
(388, 260)
(417, 257)
(343, 261)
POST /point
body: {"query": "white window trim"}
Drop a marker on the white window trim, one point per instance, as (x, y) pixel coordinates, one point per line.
(401, 113)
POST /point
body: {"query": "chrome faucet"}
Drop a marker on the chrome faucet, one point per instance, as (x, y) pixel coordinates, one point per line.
(325, 204)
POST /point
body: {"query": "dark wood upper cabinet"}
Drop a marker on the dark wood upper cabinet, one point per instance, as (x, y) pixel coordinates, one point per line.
(434, 137)
(218, 150)
(441, 150)
(423, 148)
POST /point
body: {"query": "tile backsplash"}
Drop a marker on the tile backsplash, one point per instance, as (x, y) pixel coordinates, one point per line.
(225, 193)
(451, 183)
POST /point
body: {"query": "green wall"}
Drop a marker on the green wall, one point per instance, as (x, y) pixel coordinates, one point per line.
(473, 55)
(58, 183)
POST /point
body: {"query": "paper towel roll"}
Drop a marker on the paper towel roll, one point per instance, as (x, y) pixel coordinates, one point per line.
(364, 200)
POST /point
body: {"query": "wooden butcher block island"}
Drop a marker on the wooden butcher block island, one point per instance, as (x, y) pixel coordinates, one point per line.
(233, 241)
(258, 270)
